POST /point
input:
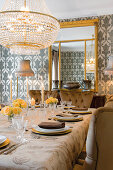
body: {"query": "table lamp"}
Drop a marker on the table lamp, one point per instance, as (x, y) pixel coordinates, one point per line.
(24, 70)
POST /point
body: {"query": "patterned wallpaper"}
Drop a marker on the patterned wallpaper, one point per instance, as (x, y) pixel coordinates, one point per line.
(105, 49)
(72, 66)
(8, 65)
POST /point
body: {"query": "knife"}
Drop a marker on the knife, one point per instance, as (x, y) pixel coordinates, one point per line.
(9, 147)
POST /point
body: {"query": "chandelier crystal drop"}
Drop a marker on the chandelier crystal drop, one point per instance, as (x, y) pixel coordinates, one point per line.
(27, 26)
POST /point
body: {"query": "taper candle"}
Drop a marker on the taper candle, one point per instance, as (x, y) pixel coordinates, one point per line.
(32, 102)
(42, 93)
(27, 88)
(10, 87)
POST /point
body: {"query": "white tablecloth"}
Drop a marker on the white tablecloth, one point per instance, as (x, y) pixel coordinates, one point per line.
(45, 153)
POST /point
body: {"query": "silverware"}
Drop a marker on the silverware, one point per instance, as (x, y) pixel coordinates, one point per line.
(9, 147)
(12, 149)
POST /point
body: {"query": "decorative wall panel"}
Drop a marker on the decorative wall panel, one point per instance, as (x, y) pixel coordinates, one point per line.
(8, 65)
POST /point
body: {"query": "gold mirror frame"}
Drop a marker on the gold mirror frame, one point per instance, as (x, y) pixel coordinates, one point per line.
(81, 23)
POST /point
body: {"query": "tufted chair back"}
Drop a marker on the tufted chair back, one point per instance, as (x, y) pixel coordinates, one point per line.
(36, 94)
(99, 144)
(78, 98)
(109, 102)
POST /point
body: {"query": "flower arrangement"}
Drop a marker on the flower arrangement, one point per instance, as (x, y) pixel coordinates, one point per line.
(19, 103)
(51, 100)
(10, 111)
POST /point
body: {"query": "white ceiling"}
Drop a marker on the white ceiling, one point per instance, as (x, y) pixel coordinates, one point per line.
(63, 9)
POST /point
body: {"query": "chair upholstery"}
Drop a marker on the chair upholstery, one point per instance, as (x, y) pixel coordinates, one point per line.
(99, 144)
(78, 98)
(109, 102)
(36, 94)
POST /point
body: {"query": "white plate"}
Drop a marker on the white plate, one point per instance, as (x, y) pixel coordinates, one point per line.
(2, 139)
(52, 130)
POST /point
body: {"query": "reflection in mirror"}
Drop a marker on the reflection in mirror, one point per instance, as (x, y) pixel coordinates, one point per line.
(55, 65)
(72, 62)
(90, 62)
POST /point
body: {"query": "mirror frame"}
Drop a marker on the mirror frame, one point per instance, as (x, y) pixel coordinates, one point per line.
(81, 23)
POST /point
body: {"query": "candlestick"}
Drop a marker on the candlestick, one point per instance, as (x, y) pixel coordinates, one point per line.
(42, 94)
(17, 86)
(10, 87)
(32, 102)
(27, 89)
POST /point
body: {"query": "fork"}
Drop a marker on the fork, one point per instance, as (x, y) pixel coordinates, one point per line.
(9, 147)
(12, 148)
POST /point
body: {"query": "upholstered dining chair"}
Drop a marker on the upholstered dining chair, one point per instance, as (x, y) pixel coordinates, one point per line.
(99, 144)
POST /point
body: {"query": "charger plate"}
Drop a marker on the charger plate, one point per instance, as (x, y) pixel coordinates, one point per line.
(70, 107)
(69, 119)
(43, 131)
(37, 106)
(7, 141)
(80, 112)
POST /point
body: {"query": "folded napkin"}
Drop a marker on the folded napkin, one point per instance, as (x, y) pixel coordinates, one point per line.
(52, 125)
(80, 109)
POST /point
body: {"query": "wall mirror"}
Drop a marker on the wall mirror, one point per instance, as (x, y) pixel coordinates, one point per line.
(73, 56)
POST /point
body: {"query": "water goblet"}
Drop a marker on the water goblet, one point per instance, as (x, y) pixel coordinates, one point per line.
(20, 126)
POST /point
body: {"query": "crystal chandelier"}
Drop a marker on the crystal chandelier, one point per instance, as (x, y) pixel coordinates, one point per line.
(27, 26)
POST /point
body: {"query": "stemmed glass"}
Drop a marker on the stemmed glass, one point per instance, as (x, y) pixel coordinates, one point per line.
(20, 125)
(69, 104)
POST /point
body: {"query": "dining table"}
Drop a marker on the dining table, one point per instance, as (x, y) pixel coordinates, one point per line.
(42, 152)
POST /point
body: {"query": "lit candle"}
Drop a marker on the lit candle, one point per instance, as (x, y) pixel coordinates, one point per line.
(27, 88)
(32, 102)
(10, 77)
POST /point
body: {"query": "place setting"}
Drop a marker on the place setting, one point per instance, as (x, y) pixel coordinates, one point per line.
(80, 111)
(4, 141)
(51, 128)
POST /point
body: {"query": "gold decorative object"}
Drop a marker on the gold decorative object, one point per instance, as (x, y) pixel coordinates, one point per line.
(27, 26)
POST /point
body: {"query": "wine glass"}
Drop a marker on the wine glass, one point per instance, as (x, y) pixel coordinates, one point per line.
(20, 125)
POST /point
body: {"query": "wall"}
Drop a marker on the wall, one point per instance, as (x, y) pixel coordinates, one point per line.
(105, 49)
(8, 65)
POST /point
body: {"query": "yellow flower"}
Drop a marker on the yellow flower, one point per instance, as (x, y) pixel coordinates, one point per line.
(7, 110)
(16, 110)
(24, 104)
(19, 103)
(16, 104)
(51, 100)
